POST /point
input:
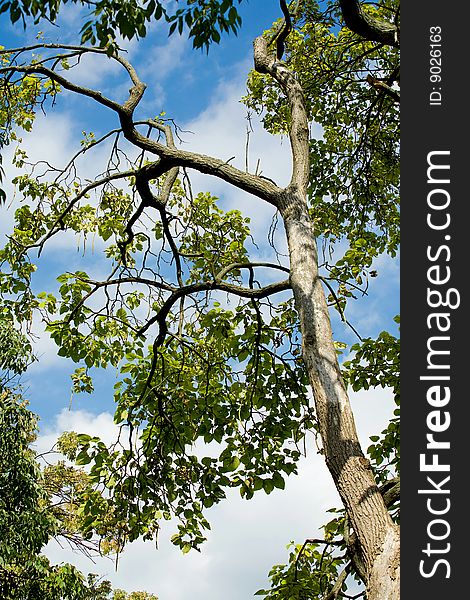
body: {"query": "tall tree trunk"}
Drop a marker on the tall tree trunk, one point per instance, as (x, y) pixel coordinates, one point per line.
(375, 541)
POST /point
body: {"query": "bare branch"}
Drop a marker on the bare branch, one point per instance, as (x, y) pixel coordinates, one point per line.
(221, 274)
(248, 182)
(253, 184)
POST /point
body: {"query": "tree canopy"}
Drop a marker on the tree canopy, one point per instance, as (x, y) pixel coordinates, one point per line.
(225, 361)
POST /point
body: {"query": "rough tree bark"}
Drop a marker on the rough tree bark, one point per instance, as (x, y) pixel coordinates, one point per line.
(369, 27)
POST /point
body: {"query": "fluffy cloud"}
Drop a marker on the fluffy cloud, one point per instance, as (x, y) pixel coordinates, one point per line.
(247, 537)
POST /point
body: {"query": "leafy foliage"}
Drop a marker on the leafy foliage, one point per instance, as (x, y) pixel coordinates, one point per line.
(204, 19)
(18, 101)
(26, 524)
(313, 569)
(376, 363)
(354, 162)
(15, 352)
(211, 391)
(36, 505)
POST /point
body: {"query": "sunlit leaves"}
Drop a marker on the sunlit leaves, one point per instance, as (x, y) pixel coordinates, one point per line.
(205, 20)
(354, 150)
(214, 238)
(249, 410)
(311, 572)
(227, 377)
(15, 351)
(18, 102)
(38, 504)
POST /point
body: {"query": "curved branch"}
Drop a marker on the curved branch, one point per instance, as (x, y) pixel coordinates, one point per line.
(369, 27)
(382, 87)
(249, 265)
(81, 49)
(135, 93)
(282, 36)
(162, 199)
(208, 165)
(109, 282)
(195, 288)
(159, 202)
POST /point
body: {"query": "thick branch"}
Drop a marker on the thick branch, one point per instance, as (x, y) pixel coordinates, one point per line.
(249, 265)
(81, 49)
(253, 184)
(298, 130)
(135, 93)
(142, 179)
(159, 202)
(383, 88)
(369, 27)
(248, 182)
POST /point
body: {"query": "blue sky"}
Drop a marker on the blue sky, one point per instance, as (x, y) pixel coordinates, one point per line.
(201, 93)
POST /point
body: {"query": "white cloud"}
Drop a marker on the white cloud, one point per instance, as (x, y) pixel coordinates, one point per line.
(95, 70)
(80, 421)
(247, 537)
(161, 62)
(372, 410)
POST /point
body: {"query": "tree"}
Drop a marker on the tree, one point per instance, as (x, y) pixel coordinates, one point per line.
(205, 19)
(231, 376)
(38, 504)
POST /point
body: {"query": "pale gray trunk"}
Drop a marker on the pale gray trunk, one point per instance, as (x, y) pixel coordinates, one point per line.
(375, 536)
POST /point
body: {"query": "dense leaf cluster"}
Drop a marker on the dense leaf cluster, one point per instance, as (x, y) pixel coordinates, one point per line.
(205, 20)
(36, 505)
(18, 102)
(376, 363)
